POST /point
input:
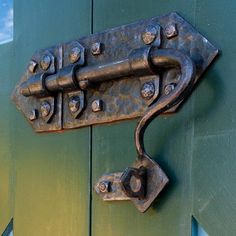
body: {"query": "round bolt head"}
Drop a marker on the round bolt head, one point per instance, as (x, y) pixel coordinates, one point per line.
(171, 31)
(149, 34)
(32, 66)
(169, 88)
(83, 84)
(45, 62)
(45, 108)
(74, 104)
(148, 90)
(97, 105)
(104, 187)
(33, 115)
(96, 48)
(133, 182)
(75, 54)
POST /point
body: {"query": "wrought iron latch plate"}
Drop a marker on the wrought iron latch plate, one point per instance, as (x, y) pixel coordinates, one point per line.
(139, 70)
(84, 82)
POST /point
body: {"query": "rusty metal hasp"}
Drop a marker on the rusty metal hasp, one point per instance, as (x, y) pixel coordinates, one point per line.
(137, 70)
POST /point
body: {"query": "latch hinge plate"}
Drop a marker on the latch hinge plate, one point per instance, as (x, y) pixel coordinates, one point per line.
(113, 100)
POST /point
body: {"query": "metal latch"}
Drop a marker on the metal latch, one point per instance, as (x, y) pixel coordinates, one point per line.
(137, 70)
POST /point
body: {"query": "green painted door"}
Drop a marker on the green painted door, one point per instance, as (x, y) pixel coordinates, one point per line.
(46, 179)
(43, 178)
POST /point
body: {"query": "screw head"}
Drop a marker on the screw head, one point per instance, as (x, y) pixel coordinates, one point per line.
(33, 115)
(169, 88)
(74, 104)
(84, 84)
(148, 90)
(149, 34)
(104, 186)
(96, 48)
(45, 109)
(97, 105)
(75, 54)
(45, 62)
(32, 66)
(171, 31)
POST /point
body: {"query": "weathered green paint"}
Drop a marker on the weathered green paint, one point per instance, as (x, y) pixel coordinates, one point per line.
(168, 140)
(45, 178)
(6, 131)
(214, 149)
(195, 147)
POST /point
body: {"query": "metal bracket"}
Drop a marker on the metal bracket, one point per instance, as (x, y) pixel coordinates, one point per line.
(139, 70)
(140, 184)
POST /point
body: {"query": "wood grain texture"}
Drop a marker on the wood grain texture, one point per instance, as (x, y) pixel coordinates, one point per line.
(6, 206)
(168, 140)
(47, 180)
(214, 163)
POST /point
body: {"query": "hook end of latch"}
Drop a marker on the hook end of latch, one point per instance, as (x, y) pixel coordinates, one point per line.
(140, 184)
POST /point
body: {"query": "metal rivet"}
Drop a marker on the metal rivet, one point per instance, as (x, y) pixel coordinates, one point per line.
(169, 88)
(104, 186)
(96, 48)
(148, 90)
(149, 34)
(171, 31)
(84, 84)
(75, 54)
(33, 115)
(97, 105)
(32, 66)
(74, 104)
(45, 108)
(45, 62)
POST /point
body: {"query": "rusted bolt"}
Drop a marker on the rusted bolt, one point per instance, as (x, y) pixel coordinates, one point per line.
(148, 90)
(75, 54)
(133, 182)
(84, 84)
(33, 115)
(32, 66)
(45, 109)
(104, 186)
(149, 34)
(169, 88)
(96, 48)
(74, 104)
(45, 62)
(171, 31)
(97, 105)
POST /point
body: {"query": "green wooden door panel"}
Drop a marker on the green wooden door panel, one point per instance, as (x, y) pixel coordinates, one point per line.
(168, 140)
(214, 183)
(49, 173)
(6, 210)
(214, 163)
(215, 109)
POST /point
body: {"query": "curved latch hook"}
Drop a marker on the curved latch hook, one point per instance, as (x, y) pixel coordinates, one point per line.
(166, 58)
(144, 181)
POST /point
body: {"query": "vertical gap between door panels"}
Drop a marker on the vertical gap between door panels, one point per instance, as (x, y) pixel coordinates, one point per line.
(90, 145)
(195, 2)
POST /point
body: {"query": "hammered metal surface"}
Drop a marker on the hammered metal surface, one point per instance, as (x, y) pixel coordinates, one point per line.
(27, 104)
(121, 97)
